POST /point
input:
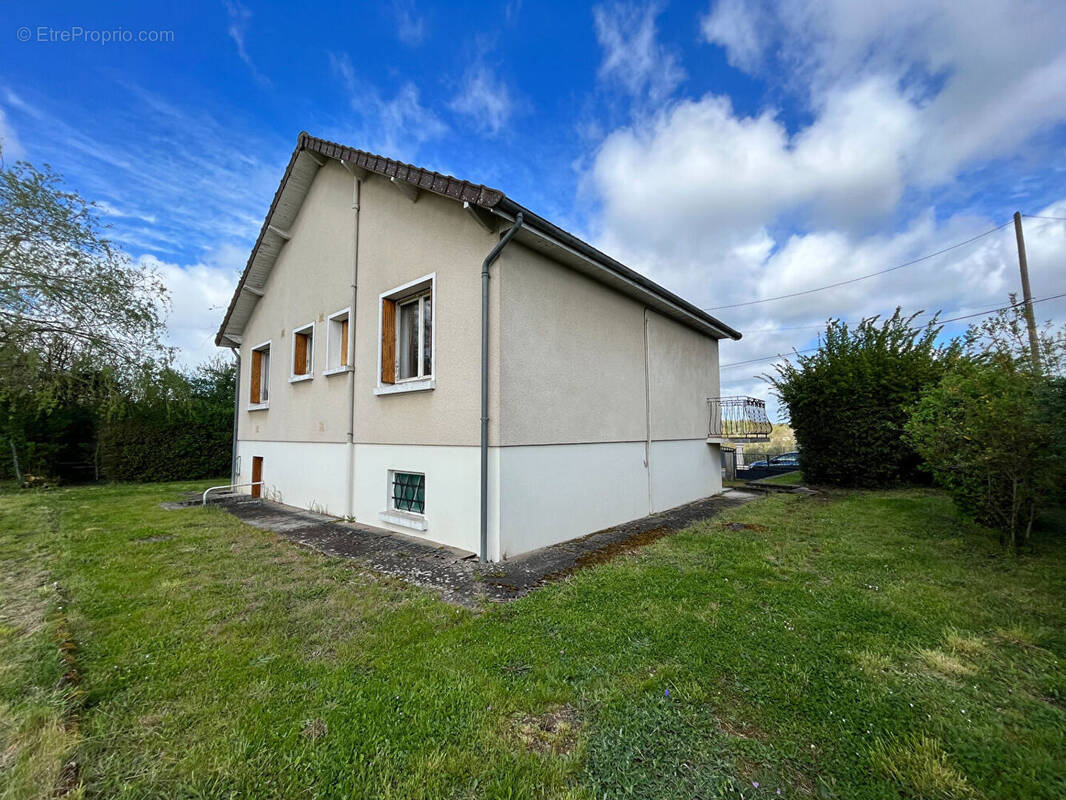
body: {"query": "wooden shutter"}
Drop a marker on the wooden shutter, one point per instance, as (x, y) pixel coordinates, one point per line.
(388, 341)
(344, 343)
(257, 373)
(299, 365)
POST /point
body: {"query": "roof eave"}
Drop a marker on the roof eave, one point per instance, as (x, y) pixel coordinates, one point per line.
(270, 240)
(509, 208)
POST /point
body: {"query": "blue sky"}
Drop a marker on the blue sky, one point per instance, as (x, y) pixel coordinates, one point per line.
(732, 151)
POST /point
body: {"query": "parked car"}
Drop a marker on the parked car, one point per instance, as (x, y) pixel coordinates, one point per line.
(784, 460)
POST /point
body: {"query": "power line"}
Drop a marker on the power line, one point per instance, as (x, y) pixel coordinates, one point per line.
(939, 322)
(822, 325)
(794, 328)
(765, 358)
(1037, 216)
(996, 310)
(865, 277)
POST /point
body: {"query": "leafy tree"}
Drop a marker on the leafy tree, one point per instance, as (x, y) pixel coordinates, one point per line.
(1004, 339)
(62, 283)
(782, 440)
(77, 319)
(847, 402)
(993, 431)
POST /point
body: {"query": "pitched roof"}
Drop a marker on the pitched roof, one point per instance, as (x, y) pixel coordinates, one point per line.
(537, 232)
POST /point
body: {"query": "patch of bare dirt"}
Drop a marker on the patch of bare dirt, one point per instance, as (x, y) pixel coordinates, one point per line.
(743, 730)
(314, 729)
(629, 545)
(69, 779)
(554, 732)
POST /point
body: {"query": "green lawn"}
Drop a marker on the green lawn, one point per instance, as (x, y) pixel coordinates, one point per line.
(788, 479)
(859, 645)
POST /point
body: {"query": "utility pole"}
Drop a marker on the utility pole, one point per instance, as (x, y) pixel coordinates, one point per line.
(1027, 294)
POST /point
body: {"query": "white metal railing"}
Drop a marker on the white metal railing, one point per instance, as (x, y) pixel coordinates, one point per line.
(738, 419)
(228, 486)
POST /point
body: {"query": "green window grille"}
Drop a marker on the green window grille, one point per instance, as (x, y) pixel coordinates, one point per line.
(409, 492)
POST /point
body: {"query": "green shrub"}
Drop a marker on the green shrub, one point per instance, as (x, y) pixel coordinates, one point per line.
(847, 402)
(986, 434)
(166, 450)
(993, 432)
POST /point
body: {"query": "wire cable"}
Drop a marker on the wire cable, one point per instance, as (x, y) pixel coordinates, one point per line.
(1037, 216)
(866, 277)
(938, 322)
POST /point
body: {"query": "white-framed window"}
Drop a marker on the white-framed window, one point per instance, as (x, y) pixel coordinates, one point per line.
(303, 353)
(338, 343)
(406, 503)
(408, 491)
(259, 389)
(406, 353)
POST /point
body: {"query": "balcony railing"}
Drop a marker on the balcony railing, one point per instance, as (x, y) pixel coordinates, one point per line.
(738, 419)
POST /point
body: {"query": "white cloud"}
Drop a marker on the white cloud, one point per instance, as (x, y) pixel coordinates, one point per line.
(485, 98)
(699, 164)
(725, 208)
(107, 209)
(395, 127)
(199, 192)
(737, 26)
(199, 295)
(983, 76)
(632, 54)
(410, 25)
(10, 146)
(239, 19)
(172, 188)
(973, 278)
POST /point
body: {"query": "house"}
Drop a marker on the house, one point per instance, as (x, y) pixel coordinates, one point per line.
(423, 354)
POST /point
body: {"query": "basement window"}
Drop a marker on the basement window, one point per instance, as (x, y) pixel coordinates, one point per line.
(337, 344)
(259, 391)
(406, 352)
(407, 500)
(409, 492)
(303, 353)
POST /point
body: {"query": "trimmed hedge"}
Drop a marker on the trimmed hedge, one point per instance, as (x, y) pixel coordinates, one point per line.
(848, 402)
(166, 450)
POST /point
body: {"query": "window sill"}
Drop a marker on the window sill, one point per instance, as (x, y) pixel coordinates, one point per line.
(299, 378)
(420, 385)
(257, 407)
(405, 519)
(337, 371)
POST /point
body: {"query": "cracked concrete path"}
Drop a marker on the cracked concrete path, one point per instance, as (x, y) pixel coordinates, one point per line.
(456, 575)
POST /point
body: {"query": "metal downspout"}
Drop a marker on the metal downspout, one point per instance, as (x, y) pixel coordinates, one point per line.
(236, 411)
(349, 499)
(489, 259)
(647, 411)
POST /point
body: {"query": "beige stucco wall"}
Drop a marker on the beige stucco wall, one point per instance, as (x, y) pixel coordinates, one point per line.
(309, 281)
(571, 356)
(683, 367)
(572, 361)
(400, 241)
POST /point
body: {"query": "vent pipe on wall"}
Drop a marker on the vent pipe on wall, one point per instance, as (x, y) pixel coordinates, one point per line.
(357, 200)
(236, 413)
(489, 259)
